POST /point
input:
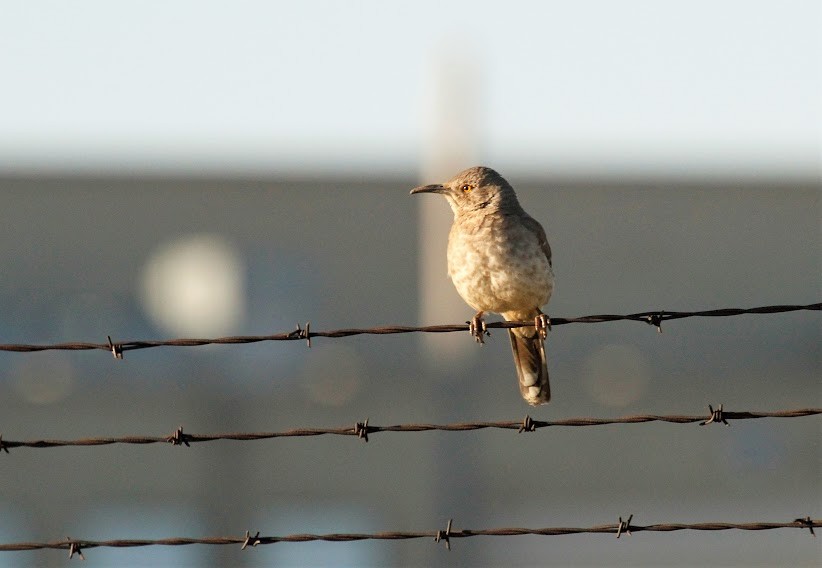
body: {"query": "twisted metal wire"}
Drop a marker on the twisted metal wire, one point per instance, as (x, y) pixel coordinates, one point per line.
(75, 546)
(654, 318)
(363, 429)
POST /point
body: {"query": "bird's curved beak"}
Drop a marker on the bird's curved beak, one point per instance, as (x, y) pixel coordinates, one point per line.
(433, 188)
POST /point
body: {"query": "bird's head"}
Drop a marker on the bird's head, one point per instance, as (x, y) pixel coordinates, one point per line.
(474, 189)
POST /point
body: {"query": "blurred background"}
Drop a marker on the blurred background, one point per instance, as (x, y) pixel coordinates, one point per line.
(204, 169)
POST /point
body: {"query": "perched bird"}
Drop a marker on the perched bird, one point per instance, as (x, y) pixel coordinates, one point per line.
(500, 261)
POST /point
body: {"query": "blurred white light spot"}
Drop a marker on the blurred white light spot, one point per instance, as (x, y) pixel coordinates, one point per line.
(194, 286)
(332, 375)
(45, 379)
(616, 375)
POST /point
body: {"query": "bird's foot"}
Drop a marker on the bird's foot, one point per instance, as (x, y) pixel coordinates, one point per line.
(543, 324)
(477, 328)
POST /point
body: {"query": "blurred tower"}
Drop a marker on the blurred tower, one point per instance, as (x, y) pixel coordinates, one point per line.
(452, 116)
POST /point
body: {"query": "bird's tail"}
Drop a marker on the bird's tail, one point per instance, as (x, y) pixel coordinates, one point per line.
(531, 363)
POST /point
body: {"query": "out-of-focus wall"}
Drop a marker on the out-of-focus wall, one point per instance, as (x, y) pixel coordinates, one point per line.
(344, 253)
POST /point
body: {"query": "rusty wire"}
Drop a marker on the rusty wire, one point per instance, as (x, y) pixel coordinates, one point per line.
(76, 546)
(363, 429)
(654, 318)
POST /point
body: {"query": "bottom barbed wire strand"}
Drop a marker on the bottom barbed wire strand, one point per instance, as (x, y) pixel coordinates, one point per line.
(75, 545)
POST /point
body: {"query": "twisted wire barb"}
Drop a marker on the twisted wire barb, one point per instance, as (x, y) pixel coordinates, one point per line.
(654, 318)
(74, 546)
(364, 429)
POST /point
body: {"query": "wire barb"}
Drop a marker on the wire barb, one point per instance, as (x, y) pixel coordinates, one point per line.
(624, 526)
(445, 536)
(361, 430)
(179, 438)
(115, 348)
(306, 334)
(249, 540)
(716, 417)
(808, 523)
(74, 548)
(298, 333)
(528, 425)
(656, 320)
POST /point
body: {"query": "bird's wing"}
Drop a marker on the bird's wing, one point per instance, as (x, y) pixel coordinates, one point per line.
(533, 225)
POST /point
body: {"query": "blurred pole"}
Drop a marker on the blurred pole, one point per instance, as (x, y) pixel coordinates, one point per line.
(452, 143)
(452, 116)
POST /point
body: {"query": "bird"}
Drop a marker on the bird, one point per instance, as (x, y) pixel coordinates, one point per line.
(499, 260)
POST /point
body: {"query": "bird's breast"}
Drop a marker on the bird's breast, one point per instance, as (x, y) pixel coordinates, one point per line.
(498, 265)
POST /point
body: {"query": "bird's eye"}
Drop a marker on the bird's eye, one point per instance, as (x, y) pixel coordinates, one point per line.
(466, 188)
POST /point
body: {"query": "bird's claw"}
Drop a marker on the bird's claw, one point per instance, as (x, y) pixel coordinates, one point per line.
(543, 324)
(477, 328)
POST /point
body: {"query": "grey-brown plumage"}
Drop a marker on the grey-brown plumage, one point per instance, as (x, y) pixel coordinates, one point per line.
(500, 261)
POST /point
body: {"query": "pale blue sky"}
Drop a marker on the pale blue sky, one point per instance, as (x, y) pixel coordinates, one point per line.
(729, 87)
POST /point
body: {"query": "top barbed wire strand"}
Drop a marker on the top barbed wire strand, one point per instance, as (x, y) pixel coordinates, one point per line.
(654, 318)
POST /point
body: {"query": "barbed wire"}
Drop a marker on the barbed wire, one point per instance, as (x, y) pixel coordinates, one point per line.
(364, 429)
(654, 318)
(75, 546)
